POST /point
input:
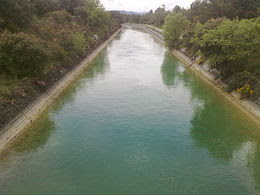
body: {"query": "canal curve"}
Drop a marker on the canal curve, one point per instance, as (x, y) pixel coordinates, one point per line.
(136, 122)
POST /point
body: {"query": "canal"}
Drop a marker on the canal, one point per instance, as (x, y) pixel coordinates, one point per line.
(136, 122)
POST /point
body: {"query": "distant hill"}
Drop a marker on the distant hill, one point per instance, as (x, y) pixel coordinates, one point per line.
(129, 12)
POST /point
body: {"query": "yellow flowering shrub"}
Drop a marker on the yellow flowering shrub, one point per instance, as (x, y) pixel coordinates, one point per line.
(246, 91)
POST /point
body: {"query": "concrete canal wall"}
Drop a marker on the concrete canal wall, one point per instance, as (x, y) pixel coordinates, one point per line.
(33, 111)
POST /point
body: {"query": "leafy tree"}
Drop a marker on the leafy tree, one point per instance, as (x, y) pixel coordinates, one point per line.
(203, 10)
(174, 28)
(159, 16)
(234, 49)
(220, 31)
(156, 18)
(194, 34)
(118, 17)
(234, 41)
(15, 15)
(22, 54)
(62, 33)
(147, 18)
(93, 14)
(70, 5)
(244, 9)
(75, 43)
(56, 30)
(44, 6)
(199, 11)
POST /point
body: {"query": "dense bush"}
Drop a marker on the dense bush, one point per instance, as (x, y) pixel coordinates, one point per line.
(74, 43)
(194, 34)
(16, 15)
(39, 34)
(230, 43)
(42, 7)
(240, 79)
(234, 42)
(174, 28)
(22, 54)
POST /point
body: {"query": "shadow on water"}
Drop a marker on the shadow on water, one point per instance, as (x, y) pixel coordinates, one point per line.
(37, 135)
(236, 144)
(172, 71)
(31, 140)
(227, 143)
(168, 70)
(98, 67)
(211, 128)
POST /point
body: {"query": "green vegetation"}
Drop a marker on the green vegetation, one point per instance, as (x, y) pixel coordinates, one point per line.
(225, 34)
(40, 34)
(174, 27)
(156, 18)
(42, 40)
(22, 54)
(233, 48)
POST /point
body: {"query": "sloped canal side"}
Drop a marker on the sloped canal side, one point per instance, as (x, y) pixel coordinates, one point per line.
(136, 122)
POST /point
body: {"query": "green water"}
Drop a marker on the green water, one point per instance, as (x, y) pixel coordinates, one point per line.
(136, 122)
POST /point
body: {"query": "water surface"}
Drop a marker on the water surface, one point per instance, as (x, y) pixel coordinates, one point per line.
(136, 122)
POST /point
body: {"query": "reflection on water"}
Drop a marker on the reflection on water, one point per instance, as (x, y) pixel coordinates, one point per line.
(136, 122)
(227, 143)
(219, 139)
(30, 141)
(98, 67)
(168, 70)
(211, 128)
(33, 139)
(171, 68)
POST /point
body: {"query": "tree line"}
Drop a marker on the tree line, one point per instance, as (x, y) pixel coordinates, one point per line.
(223, 33)
(36, 35)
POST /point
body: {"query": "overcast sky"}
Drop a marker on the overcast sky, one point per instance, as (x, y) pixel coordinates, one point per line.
(143, 5)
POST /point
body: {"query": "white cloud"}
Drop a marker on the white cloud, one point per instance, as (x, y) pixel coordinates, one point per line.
(143, 5)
